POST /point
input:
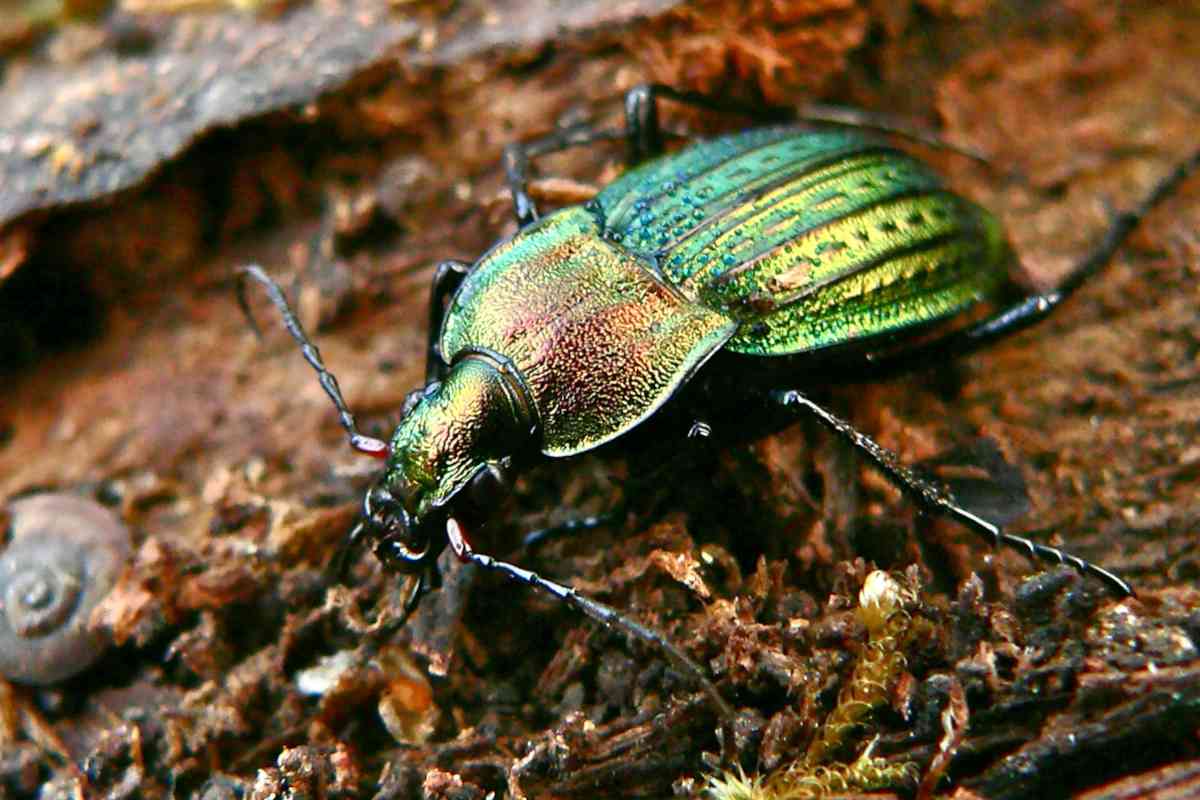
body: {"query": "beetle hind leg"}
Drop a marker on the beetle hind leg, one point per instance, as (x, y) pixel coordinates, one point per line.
(644, 135)
(934, 498)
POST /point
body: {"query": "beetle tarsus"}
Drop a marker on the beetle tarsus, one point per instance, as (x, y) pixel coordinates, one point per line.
(1042, 552)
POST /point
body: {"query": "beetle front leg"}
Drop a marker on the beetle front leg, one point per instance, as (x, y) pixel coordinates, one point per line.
(1033, 309)
(933, 498)
(447, 277)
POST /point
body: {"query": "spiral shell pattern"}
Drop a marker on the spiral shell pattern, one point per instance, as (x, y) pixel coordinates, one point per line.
(64, 555)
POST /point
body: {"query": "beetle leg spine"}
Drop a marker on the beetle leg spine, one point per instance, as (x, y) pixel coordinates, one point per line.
(934, 499)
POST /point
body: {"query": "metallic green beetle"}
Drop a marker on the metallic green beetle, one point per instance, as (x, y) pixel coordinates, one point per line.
(776, 244)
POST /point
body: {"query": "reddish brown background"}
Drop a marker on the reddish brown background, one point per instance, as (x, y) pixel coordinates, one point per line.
(144, 155)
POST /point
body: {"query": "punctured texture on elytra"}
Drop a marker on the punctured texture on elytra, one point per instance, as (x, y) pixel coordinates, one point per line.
(809, 239)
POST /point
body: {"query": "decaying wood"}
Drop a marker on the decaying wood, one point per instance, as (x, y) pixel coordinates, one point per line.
(145, 155)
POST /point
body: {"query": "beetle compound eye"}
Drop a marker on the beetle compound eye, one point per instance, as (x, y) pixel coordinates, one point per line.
(487, 487)
(411, 401)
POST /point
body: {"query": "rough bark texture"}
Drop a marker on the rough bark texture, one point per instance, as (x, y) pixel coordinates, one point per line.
(347, 147)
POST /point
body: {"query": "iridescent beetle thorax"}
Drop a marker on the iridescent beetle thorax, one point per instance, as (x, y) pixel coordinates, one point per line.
(556, 336)
(478, 415)
(599, 339)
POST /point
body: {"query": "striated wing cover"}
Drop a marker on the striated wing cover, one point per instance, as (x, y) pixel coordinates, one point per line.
(809, 239)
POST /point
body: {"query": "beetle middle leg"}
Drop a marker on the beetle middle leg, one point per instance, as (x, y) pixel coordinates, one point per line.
(536, 538)
(698, 432)
(933, 498)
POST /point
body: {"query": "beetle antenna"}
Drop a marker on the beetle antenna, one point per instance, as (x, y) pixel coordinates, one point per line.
(359, 441)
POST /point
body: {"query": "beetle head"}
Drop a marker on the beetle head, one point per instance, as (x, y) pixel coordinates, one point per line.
(401, 541)
(455, 435)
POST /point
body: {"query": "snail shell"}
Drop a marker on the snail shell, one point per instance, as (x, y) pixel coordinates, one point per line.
(64, 556)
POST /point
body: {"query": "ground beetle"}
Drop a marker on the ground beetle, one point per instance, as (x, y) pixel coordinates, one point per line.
(775, 246)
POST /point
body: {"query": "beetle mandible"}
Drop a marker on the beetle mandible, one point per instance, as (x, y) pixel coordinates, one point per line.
(775, 245)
